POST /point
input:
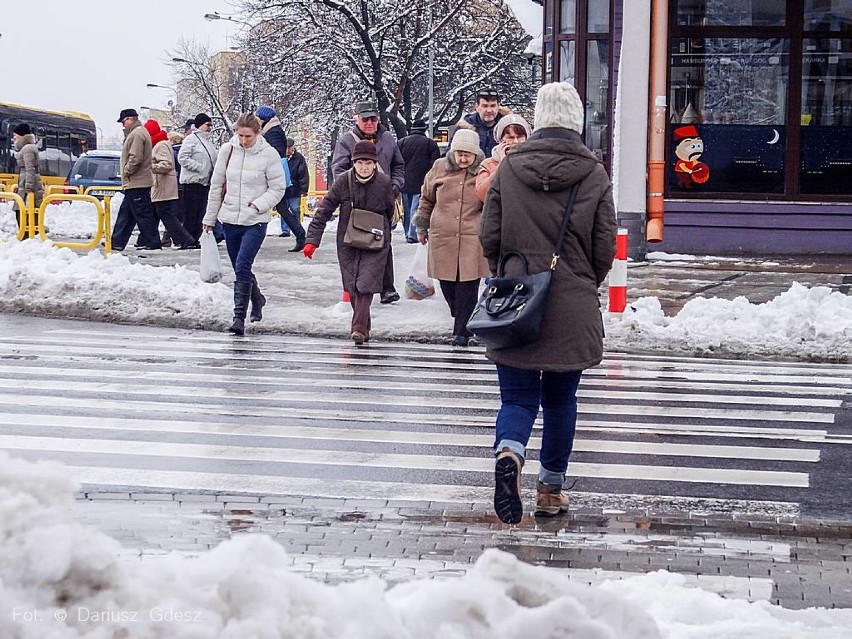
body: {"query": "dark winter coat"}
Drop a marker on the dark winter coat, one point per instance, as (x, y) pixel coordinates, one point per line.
(419, 153)
(390, 158)
(299, 176)
(273, 133)
(29, 179)
(523, 212)
(361, 271)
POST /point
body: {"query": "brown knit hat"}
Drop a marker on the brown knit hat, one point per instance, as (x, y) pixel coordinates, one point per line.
(364, 150)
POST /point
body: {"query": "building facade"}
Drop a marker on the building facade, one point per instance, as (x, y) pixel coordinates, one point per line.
(750, 112)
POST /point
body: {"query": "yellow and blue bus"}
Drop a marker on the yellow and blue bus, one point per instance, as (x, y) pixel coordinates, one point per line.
(61, 136)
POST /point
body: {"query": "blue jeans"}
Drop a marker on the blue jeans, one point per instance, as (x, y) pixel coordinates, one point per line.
(410, 202)
(243, 243)
(295, 206)
(521, 393)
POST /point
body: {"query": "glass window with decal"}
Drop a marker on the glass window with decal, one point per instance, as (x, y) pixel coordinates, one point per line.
(826, 120)
(727, 114)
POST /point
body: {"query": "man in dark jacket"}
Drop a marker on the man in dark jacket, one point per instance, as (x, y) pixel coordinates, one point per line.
(419, 153)
(390, 162)
(273, 132)
(301, 183)
(486, 116)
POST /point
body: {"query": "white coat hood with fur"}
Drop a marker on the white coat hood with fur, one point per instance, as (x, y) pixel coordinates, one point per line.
(254, 176)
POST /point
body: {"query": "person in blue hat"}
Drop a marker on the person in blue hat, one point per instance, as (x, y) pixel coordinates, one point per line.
(273, 133)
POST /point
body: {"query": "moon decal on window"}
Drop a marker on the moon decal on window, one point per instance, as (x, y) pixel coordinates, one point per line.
(775, 137)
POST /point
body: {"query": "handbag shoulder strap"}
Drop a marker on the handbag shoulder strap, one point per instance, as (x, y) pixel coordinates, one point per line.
(566, 223)
(351, 194)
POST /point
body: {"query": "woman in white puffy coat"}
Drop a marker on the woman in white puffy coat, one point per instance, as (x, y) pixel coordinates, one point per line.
(247, 182)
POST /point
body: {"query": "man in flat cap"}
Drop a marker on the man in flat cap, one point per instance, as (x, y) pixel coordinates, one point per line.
(136, 182)
(367, 127)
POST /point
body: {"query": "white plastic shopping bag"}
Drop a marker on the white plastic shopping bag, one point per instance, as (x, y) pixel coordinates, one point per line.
(211, 266)
(274, 226)
(418, 284)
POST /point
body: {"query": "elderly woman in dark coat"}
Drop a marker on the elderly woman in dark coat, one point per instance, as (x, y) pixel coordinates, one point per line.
(523, 212)
(362, 187)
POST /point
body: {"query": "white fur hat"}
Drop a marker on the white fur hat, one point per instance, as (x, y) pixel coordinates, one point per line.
(466, 140)
(558, 105)
(508, 120)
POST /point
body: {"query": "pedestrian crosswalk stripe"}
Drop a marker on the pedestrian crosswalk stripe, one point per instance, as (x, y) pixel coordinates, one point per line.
(394, 460)
(278, 431)
(293, 398)
(697, 430)
(180, 381)
(617, 360)
(169, 371)
(350, 355)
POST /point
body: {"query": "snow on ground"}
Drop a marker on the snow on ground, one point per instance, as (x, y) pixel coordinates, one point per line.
(681, 258)
(815, 323)
(38, 278)
(61, 580)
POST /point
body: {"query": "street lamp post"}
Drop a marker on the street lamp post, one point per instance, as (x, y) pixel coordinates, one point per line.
(212, 17)
(209, 92)
(173, 104)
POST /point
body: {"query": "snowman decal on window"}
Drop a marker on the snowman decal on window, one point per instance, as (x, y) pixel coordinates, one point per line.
(689, 149)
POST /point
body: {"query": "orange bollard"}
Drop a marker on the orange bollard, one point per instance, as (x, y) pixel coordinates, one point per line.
(618, 275)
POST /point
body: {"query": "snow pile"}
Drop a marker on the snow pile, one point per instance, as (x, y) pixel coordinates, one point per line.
(61, 580)
(691, 613)
(71, 220)
(8, 221)
(815, 322)
(46, 280)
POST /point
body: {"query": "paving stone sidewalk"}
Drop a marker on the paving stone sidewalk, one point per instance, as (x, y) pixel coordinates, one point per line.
(784, 559)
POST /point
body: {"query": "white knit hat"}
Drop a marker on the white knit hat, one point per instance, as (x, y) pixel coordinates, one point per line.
(466, 140)
(558, 105)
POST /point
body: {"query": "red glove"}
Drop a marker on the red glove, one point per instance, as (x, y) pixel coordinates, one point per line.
(308, 251)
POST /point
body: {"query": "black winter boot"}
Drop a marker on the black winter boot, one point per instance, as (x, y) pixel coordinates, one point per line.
(258, 301)
(242, 294)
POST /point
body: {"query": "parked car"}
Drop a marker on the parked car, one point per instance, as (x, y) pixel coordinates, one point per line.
(96, 168)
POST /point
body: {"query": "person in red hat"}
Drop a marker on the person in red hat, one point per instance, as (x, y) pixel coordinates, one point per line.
(164, 192)
(689, 148)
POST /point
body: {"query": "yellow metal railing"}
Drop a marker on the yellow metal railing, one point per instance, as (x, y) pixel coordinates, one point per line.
(103, 231)
(304, 203)
(24, 211)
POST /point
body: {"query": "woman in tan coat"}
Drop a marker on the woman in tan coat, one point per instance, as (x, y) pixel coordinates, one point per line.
(164, 193)
(29, 179)
(448, 219)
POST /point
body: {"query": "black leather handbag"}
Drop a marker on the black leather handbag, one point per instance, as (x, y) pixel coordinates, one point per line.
(510, 311)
